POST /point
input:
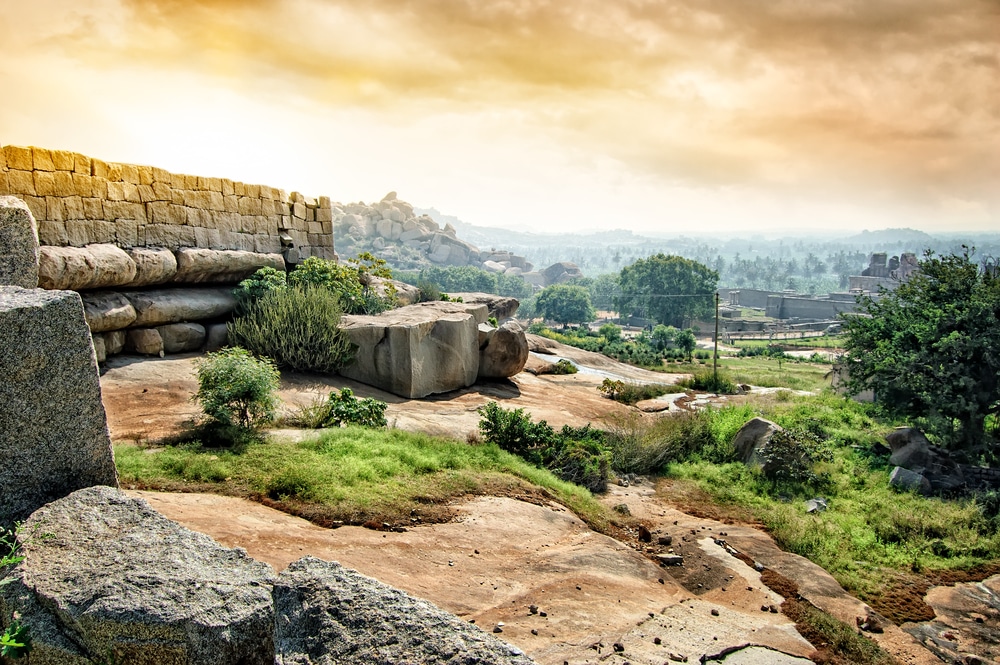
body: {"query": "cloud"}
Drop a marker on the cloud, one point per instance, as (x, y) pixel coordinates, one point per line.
(794, 95)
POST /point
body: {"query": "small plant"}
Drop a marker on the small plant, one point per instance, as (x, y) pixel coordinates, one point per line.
(493, 322)
(346, 409)
(15, 641)
(564, 366)
(236, 390)
(709, 382)
(296, 327)
(612, 388)
(790, 456)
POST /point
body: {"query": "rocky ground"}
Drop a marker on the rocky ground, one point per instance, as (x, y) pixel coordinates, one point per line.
(535, 572)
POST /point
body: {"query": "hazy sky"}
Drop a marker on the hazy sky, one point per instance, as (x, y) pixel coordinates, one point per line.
(672, 116)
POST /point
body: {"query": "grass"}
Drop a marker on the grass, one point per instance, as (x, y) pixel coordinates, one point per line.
(765, 372)
(871, 536)
(824, 342)
(352, 475)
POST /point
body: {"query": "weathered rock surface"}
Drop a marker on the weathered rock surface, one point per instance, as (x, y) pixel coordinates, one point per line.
(752, 439)
(196, 266)
(18, 244)
(145, 341)
(107, 310)
(152, 266)
(503, 351)
(912, 451)
(325, 614)
(563, 271)
(117, 581)
(500, 307)
(53, 432)
(216, 336)
(91, 267)
(154, 308)
(907, 480)
(417, 350)
(181, 337)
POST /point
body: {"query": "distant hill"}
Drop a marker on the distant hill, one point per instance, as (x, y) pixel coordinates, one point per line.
(904, 236)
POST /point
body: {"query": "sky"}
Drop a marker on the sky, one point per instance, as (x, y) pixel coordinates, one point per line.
(677, 117)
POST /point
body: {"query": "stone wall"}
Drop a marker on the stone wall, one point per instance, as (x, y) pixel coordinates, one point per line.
(77, 200)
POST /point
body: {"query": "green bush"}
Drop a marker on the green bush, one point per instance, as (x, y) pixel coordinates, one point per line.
(638, 446)
(513, 430)
(791, 455)
(709, 382)
(630, 393)
(346, 409)
(297, 327)
(236, 390)
(253, 288)
(564, 366)
(351, 282)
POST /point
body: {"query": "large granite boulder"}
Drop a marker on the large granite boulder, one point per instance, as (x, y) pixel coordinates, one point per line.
(325, 614)
(499, 307)
(152, 266)
(752, 439)
(112, 580)
(182, 337)
(162, 306)
(503, 351)
(196, 266)
(107, 310)
(18, 244)
(53, 430)
(92, 267)
(418, 350)
(564, 271)
(911, 450)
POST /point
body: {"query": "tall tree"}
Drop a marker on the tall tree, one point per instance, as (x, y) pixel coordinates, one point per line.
(670, 290)
(565, 303)
(931, 349)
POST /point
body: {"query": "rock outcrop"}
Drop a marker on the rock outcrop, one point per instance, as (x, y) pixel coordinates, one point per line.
(91, 267)
(752, 439)
(107, 310)
(156, 308)
(18, 244)
(499, 307)
(325, 613)
(115, 581)
(53, 432)
(198, 266)
(912, 452)
(417, 350)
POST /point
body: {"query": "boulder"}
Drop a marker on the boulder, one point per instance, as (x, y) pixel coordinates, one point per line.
(902, 437)
(216, 336)
(107, 310)
(493, 266)
(561, 272)
(181, 337)
(503, 351)
(417, 350)
(18, 244)
(115, 581)
(152, 266)
(154, 308)
(91, 267)
(53, 431)
(114, 341)
(325, 613)
(752, 439)
(145, 341)
(912, 451)
(99, 351)
(907, 480)
(198, 266)
(499, 307)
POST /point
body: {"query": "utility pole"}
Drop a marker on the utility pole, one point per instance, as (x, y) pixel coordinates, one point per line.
(715, 355)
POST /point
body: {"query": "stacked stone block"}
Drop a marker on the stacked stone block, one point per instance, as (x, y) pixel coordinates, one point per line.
(80, 201)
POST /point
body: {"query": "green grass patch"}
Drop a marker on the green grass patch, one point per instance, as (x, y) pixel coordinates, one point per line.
(870, 531)
(766, 372)
(352, 474)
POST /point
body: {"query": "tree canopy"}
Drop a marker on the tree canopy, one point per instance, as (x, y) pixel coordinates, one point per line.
(930, 349)
(565, 303)
(670, 290)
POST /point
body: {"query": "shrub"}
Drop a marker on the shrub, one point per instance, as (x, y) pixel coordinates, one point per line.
(296, 327)
(346, 409)
(790, 456)
(584, 463)
(709, 382)
(564, 367)
(253, 288)
(429, 291)
(351, 283)
(513, 431)
(237, 390)
(630, 393)
(640, 447)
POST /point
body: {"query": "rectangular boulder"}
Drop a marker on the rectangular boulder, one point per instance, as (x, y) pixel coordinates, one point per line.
(53, 430)
(18, 244)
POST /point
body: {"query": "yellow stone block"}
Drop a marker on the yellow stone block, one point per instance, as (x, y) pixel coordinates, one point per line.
(239, 189)
(36, 204)
(161, 191)
(231, 203)
(227, 187)
(116, 192)
(162, 175)
(146, 193)
(63, 184)
(21, 182)
(4, 183)
(130, 173)
(158, 212)
(98, 187)
(83, 184)
(54, 210)
(177, 196)
(41, 159)
(145, 175)
(178, 214)
(131, 192)
(214, 185)
(63, 160)
(45, 183)
(99, 169)
(93, 208)
(114, 172)
(18, 158)
(81, 164)
(73, 205)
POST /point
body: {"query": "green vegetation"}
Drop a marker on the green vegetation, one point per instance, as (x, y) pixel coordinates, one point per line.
(465, 279)
(641, 351)
(563, 366)
(576, 455)
(564, 303)
(629, 392)
(929, 351)
(15, 641)
(237, 392)
(671, 290)
(711, 382)
(352, 282)
(794, 373)
(871, 535)
(297, 327)
(352, 474)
